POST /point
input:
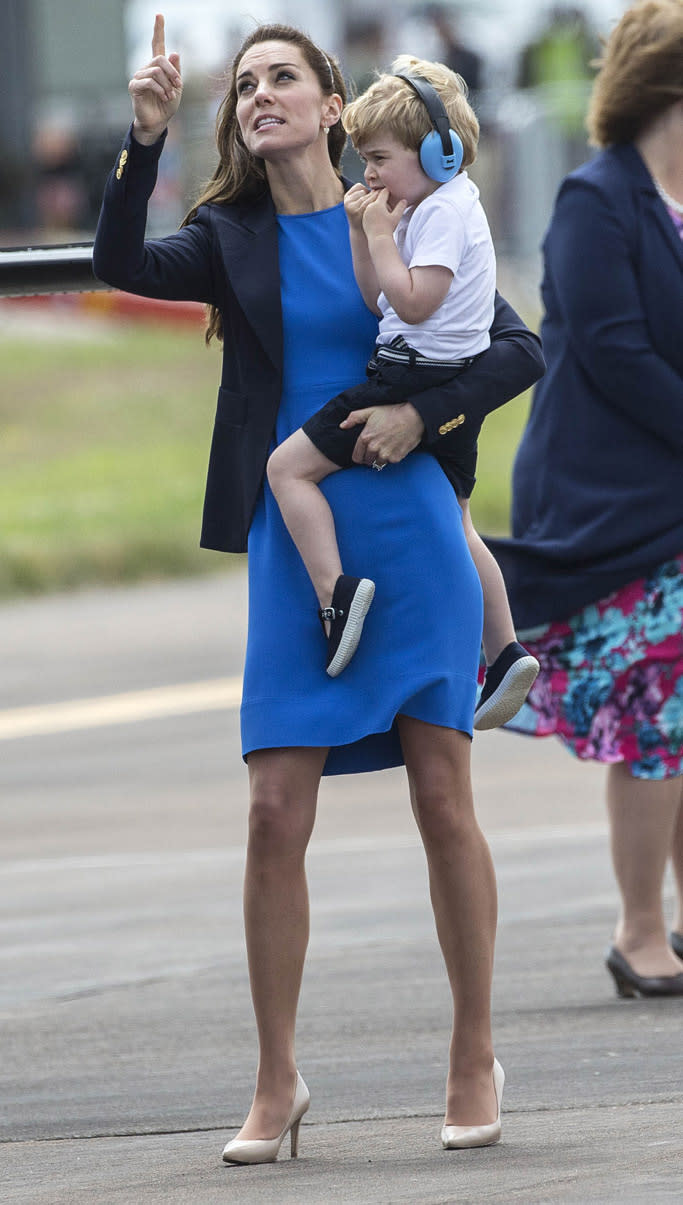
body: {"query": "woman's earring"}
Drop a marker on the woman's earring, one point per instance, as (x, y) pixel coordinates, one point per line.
(326, 129)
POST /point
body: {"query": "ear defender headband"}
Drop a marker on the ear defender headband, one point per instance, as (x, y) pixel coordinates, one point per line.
(441, 151)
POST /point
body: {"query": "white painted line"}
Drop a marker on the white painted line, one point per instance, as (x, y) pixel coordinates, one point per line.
(502, 841)
(129, 708)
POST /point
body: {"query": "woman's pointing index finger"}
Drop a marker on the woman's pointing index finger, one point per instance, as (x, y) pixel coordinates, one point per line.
(158, 37)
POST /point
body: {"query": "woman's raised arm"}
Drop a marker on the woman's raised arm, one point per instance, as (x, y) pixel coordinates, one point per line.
(176, 268)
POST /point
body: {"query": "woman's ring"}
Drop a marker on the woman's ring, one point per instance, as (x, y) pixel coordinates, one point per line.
(378, 466)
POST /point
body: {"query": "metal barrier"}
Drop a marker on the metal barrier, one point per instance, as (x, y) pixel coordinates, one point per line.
(31, 271)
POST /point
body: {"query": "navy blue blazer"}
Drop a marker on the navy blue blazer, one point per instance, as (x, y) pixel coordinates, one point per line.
(598, 477)
(228, 257)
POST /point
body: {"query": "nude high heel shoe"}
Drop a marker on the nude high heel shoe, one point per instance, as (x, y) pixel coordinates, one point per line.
(266, 1150)
(461, 1137)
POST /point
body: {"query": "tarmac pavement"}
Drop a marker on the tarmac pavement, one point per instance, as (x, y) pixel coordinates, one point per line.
(127, 1034)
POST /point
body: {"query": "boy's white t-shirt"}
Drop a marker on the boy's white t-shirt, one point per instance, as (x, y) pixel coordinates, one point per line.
(448, 228)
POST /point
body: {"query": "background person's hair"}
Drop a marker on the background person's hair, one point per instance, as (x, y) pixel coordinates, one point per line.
(641, 72)
(391, 104)
(239, 174)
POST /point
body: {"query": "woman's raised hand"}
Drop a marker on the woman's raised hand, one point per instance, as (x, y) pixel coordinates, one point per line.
(156, 90)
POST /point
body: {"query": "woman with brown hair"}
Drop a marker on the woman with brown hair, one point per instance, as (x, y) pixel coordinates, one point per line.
(267, 248)
(595, 566)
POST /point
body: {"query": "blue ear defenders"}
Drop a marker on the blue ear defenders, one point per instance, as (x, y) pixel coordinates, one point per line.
(441, 150)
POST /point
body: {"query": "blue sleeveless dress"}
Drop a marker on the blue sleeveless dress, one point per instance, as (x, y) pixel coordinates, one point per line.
(419, 651)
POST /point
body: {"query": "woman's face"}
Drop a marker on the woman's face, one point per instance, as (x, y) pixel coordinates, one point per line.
(280, 105)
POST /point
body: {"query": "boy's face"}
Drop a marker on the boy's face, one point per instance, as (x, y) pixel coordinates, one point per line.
(390, 165)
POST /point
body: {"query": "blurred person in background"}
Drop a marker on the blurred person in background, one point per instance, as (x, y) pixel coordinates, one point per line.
(61, 188)
(363, 50)
(594, 568)
(455, 53)
(267, 248)
(556, 66)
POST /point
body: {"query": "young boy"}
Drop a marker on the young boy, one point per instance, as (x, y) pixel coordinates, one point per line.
(424, 261)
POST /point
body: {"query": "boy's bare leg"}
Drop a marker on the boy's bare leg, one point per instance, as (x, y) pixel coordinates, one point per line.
(499, 629)
(294, 470)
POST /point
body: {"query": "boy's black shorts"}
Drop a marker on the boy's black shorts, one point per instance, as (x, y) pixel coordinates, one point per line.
(389, 381)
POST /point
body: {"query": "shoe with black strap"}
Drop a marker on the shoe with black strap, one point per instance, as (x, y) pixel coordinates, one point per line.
(507, 683)
(346, 615)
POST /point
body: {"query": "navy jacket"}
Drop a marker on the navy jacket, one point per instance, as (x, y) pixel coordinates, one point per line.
(228, 256)
(598, 477)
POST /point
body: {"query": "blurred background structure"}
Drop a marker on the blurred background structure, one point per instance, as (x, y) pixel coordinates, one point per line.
(64, 104)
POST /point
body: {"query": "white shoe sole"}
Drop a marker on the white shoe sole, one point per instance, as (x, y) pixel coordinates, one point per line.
(348, 644)
(509, 696)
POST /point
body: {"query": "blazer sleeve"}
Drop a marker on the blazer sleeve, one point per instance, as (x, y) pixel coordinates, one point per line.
(177, 268)
(513, 363)
(594, 278)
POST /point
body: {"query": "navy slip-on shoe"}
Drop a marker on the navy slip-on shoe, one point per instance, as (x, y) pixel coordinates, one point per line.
(346, 614)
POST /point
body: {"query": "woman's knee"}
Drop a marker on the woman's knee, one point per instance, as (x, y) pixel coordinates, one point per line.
(442, 802)
(443, 809)
(278, 823)
(282, 804)
(438, 764)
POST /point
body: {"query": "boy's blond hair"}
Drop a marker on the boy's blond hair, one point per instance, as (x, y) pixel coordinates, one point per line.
(391, 104)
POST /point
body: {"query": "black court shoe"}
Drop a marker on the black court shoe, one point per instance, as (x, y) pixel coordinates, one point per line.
(506, 685)
(346, 616)
(630, 984)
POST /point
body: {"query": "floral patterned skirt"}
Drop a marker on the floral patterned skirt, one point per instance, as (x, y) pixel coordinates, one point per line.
(611, 680)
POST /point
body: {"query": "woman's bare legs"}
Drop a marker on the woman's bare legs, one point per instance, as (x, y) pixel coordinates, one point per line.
(644, 816)
(295, 469)
(283, 789)
(463, 892)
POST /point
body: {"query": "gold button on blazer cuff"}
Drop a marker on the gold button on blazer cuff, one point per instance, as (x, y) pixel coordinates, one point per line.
(454, 422)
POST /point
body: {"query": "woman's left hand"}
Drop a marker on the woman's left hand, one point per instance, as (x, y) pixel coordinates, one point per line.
(389, 433)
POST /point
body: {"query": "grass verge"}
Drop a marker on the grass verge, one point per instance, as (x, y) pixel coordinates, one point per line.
(105, 440)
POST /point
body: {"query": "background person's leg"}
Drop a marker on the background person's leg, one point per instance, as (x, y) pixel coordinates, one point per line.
(644, 814)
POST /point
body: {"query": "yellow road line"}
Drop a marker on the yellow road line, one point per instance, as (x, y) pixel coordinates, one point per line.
(214, 695)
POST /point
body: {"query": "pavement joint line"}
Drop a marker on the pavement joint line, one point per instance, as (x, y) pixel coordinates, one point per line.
(327, 847)
(219, 1129)
(363, 1119)
(129, 707)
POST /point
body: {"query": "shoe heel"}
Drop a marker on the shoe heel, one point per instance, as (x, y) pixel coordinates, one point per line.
(625, 990)
(294, 1139)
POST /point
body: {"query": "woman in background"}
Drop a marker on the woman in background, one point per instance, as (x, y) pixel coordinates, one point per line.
(595, 566)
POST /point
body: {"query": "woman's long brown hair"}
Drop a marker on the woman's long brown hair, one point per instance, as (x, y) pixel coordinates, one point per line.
(240, 175)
